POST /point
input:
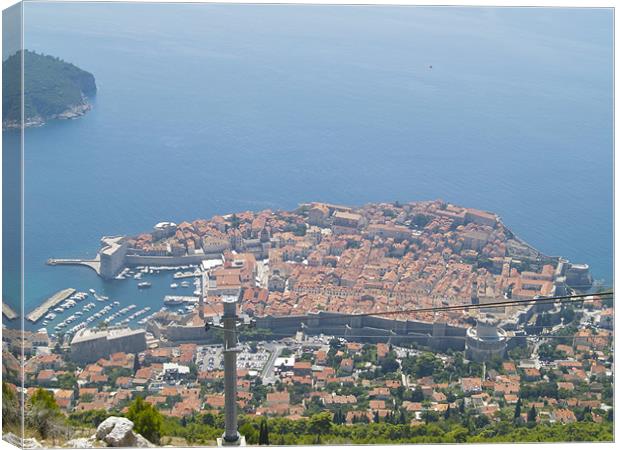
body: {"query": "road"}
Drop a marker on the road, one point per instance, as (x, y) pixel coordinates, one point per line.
(267, 374)
(262, 274)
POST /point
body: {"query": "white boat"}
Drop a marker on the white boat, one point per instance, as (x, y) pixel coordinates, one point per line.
(91, 290)
(174, 285)
(185, 284)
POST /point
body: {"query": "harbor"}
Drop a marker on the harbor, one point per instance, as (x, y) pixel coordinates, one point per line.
(36, 314)
(124, 301)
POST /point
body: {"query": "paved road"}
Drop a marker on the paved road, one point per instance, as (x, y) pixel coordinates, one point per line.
(262, 273)
(267, 374)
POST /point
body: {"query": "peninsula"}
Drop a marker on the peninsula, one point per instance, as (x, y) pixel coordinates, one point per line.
(324, 257)
(53, 89)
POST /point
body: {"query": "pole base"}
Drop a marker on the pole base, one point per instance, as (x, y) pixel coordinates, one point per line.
(240, 442)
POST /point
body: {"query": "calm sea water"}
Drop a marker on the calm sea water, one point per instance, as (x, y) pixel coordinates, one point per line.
(210, 109)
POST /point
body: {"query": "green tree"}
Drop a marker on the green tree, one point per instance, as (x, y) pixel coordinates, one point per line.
(147, 420)
(418, 395)
(43, 414)
(10, 406)
(67, 381)
(263, 437)
(518, 409)
(531, 415)
(251, 436)
(389, 365)
(235, 221)
(320, 424)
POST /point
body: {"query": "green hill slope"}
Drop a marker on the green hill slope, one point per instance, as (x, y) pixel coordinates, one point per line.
(53, 89)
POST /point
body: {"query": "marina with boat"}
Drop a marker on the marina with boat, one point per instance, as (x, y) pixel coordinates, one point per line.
(68, 311)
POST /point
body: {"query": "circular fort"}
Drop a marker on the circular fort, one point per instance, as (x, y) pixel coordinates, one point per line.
(486, 340)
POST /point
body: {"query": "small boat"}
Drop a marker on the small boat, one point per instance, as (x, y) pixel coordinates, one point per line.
(144, 285)
(174, 285)
(91, 290)
(185, 284)
(173, 302)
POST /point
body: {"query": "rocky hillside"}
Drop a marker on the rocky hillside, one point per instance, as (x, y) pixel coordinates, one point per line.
(112, 432)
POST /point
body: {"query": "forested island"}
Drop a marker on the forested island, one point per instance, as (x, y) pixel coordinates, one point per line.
(53, 89)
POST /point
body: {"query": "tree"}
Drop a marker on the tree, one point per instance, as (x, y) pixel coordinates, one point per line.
(403, 417)
(320, 424)
(339, 417)
(263, 435)
(389, 365)
(235, 221)
(518, 409)
(10, 405)
(67, 381)
(531, 415)
(43, 414)
(147, 420)
(425, 365)
(249, 432)
(418, 395)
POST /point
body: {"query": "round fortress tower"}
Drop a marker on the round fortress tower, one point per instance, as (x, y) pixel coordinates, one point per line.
(486, 340)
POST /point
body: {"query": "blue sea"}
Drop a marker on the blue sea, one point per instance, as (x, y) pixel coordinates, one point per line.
(210, 109)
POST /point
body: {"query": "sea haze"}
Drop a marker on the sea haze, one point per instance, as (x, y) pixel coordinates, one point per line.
(211, 109)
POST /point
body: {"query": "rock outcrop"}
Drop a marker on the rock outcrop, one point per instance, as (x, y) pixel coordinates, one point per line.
(118, 432)
(83, 443)
(15, 440)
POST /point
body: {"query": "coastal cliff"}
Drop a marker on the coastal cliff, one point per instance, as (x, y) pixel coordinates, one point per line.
(53, 89)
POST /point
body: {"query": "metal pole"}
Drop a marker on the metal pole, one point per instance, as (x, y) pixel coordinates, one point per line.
(201, 300)
(231, 435)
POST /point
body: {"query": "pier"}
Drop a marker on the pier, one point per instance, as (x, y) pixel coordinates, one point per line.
(8, 312)
(179, 299)
(94, 264)
(48, 304)
(180, 275)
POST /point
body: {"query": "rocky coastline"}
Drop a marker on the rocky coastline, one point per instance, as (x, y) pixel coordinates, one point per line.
(73, 112)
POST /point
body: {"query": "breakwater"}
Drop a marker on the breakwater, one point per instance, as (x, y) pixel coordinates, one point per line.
(55, 299)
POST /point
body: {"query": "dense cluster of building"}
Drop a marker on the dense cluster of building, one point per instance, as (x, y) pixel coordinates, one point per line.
(379, 256)
(304, 273)
(358, 381)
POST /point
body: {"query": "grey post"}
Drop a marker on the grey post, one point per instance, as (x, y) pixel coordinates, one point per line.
(231, 435)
